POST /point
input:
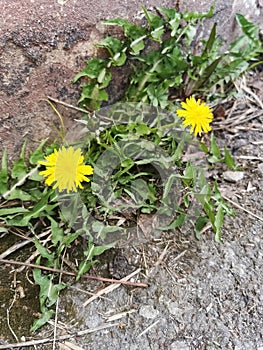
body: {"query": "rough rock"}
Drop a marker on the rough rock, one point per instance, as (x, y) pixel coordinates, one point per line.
(233, 176)
(44, 44)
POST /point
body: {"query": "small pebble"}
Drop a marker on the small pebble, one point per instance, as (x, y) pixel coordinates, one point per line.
(179, 345)
(148, 311)
(260, 168)
(233, 176)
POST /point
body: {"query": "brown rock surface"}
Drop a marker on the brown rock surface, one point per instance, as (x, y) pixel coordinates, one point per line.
(44, 43)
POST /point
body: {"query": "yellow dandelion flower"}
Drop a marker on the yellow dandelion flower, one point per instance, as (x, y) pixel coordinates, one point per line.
(196, 114)
(65, 169)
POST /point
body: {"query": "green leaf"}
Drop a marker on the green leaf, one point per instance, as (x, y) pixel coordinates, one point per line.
(98, 250)
(13, 210)
(119, 59)
(229, 160)
(189, 172)
(137, 45)
(48, 290)
(143, 129)
(200, 224)
(70, 237)
(131, 31)
(187, 16)
(84, 267)
(168, 185)
(92, 70)
(45, 317)
(19, 169)
(248, 28)
(113, 45)
(169, 13)
(44, 252)
(203, 147)
(4, 174)
(176, 223)
(41, 208)
(38, 154)
(210, 42)
(219, 218)
(209, 70)
(57, 232)
(92, 91)
(116, 50)
(18, 193)
(53, 293)
(214, 149)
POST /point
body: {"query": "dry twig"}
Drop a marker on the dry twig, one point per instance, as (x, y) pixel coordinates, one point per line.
(96, 278)
(62, 337)
(113, 287)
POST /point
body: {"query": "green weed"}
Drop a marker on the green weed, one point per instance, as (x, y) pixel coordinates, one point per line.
(135, 147)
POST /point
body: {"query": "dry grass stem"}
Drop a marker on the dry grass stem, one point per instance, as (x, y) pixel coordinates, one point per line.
(62, 337)
(96, 278)
(119, 315)
(148, 328)
(20, 245)
(111, 288)
(243, 209)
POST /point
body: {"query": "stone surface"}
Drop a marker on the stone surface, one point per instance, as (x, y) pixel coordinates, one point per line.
(43, 44)
(148, 311)
(233, 176)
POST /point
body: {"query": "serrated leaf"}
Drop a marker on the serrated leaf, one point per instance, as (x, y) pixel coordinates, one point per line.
(45, 317)
(187, 16)
(48, 290)
(57, 232)
(39, 209)
(44, 252)
(113, 45)
(249, 28)
(53, 293)
(93, 92)
(93, 69)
